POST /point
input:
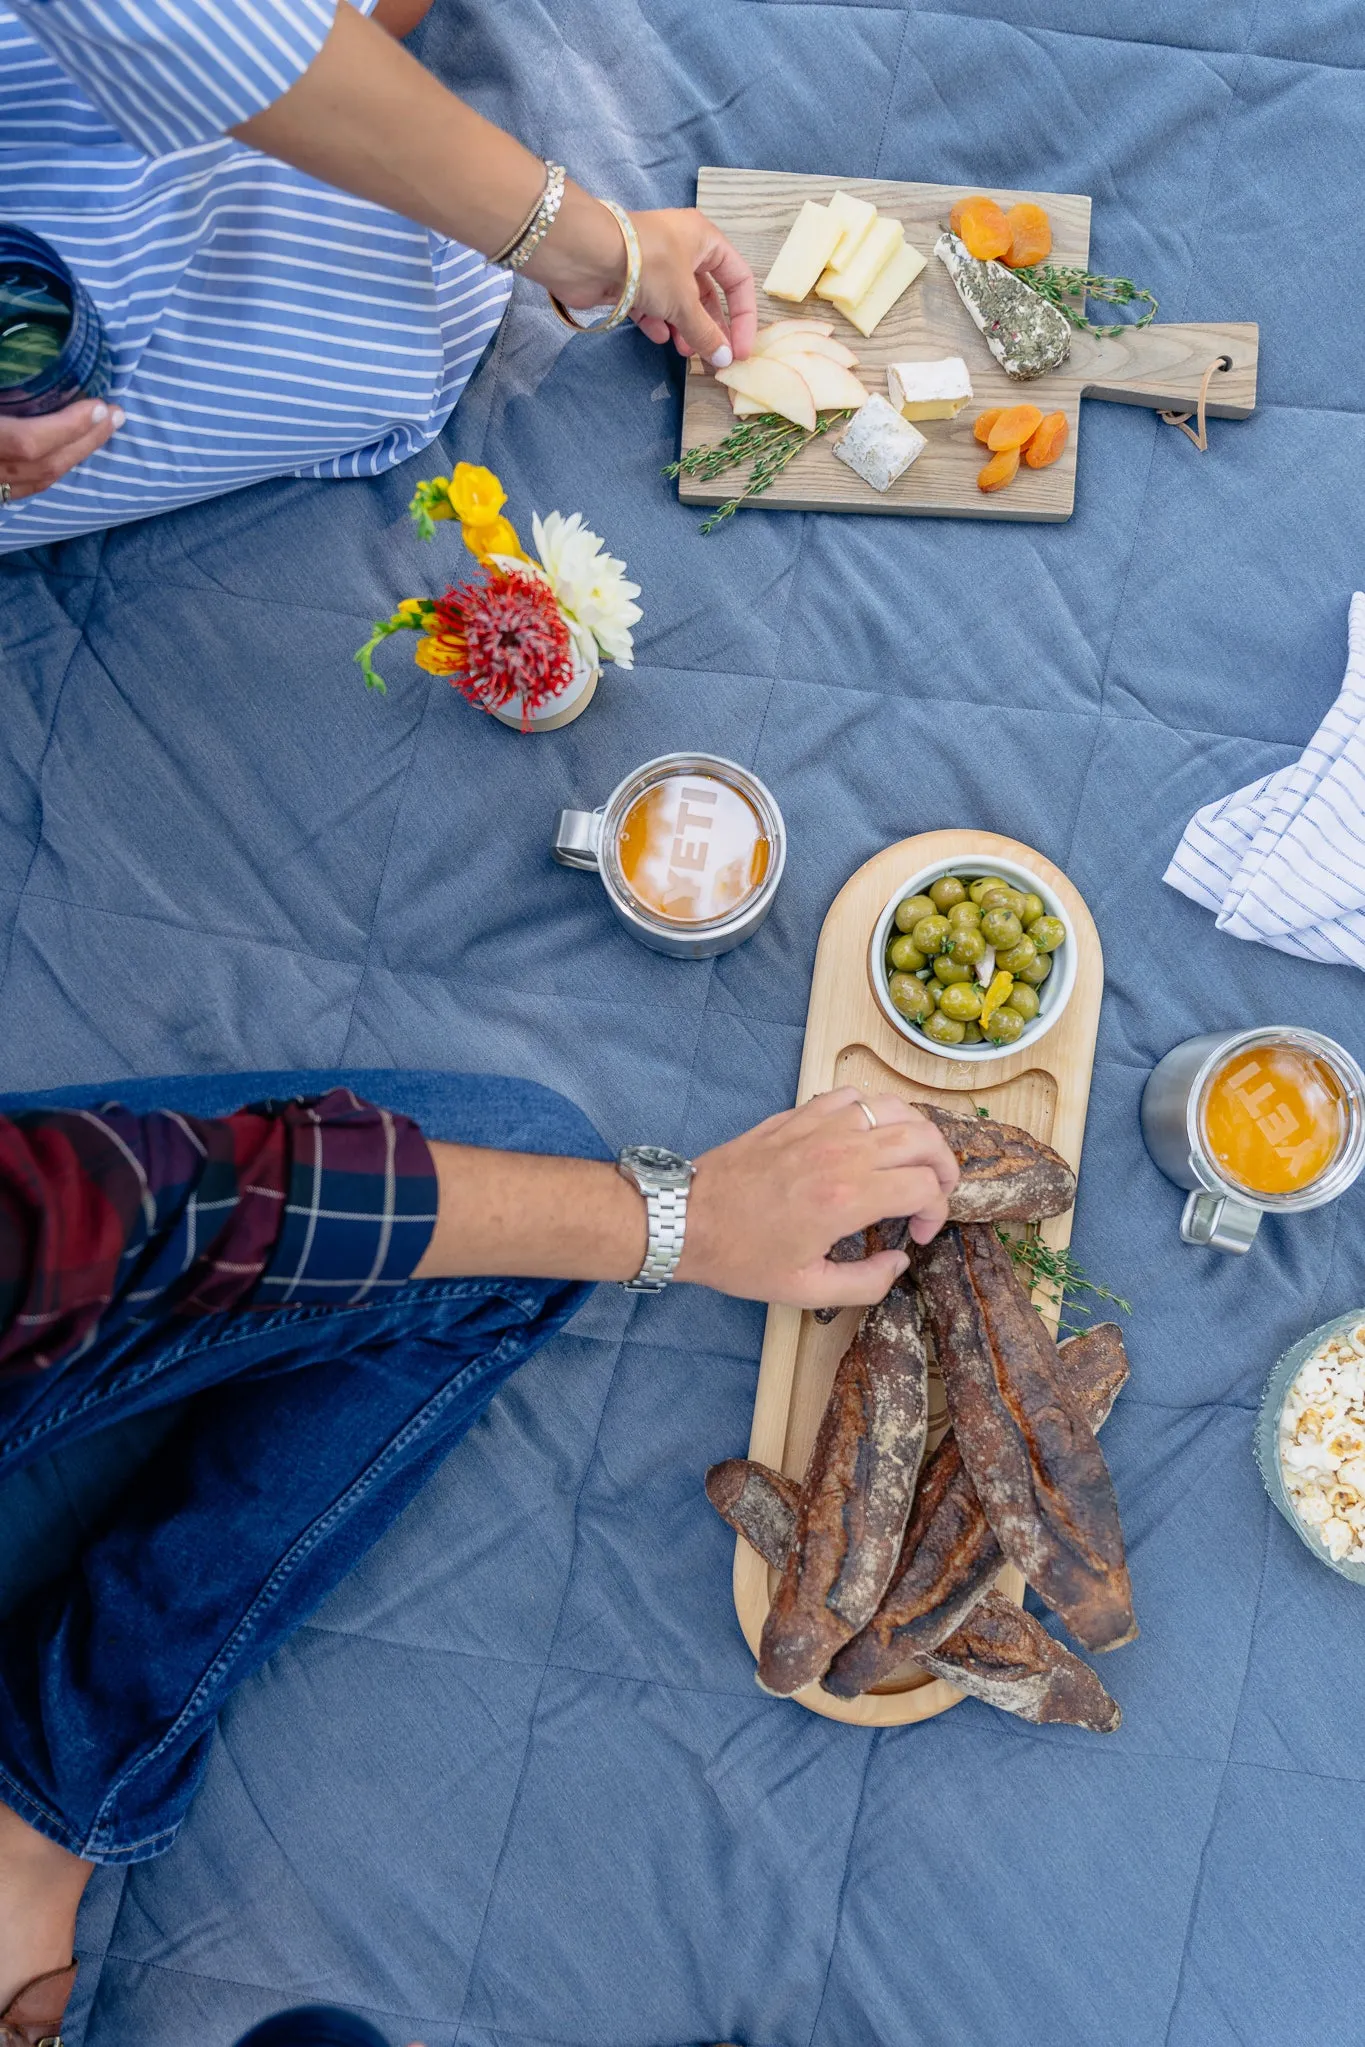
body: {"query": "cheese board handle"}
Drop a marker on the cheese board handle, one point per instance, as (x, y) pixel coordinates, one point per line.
(1161, 366)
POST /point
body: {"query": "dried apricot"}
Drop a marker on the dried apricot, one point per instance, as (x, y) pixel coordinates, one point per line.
(981, 225)
(1013, 426)
(1046, 442)
(985, 421)
(1000, 470)
(1030, 235)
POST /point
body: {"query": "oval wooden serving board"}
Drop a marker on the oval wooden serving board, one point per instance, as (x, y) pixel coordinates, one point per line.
(1044, 1088)
(1158, 366)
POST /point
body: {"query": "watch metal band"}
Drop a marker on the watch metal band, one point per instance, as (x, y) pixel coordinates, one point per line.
(667, 1210)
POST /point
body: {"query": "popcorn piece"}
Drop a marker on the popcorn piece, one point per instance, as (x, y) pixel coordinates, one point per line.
(1322, 1446)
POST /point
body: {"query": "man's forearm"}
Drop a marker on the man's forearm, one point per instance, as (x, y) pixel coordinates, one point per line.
(515, 1214)
(368, 118)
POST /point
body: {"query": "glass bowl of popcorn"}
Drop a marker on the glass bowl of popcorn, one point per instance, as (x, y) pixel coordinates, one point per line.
(1310, 1442)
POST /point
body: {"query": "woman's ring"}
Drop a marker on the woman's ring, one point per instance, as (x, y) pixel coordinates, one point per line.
(871, 1119)
(6, 493)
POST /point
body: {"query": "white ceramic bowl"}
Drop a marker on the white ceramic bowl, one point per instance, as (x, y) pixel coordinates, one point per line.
(1053, 996)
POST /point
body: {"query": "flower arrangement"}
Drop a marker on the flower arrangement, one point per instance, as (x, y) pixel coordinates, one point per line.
(515, 638)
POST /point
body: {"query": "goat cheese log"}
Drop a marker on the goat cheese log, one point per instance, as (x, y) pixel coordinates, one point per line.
(950, 1558)
(1006, 1177)
(856, 1498)
(1038, 1471)
(1000, 1655)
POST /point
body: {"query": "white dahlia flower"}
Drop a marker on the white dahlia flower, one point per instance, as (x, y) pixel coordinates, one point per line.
(591, 587)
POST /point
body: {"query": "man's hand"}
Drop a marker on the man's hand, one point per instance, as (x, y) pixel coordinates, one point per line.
(766, 1207)
(34, 453)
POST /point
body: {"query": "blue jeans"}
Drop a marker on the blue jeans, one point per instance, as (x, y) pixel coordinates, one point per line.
(306, 1432)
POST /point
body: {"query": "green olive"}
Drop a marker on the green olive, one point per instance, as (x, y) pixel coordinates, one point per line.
(944, 1030)
(963, 914)
(1034, 907)
(1047, 933)
(947, 891)
(973, 1035)
(1000, 928)
(949, 971)
(967, 944)
(911, 910)
(1005, 1026)
(1024, 1001)
(930, 935)
(909, 997)
(985, 882)
(1016, 957)
(1003, 897)
(1037, 971)
(905, 955)
(962, 1000)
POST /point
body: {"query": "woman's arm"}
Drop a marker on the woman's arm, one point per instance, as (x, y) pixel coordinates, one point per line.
(366, 117)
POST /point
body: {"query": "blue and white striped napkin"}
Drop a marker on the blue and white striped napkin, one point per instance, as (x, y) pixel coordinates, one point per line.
(1283, 860)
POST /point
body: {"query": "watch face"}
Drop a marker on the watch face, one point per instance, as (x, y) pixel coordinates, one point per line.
(659, 1164)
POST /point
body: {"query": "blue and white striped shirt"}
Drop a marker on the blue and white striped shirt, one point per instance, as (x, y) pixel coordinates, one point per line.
(261, 324)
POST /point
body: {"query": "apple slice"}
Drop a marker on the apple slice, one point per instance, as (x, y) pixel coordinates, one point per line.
(833, 388)
(766, 336)
(775, 386)
(746, 408)
(791, 345)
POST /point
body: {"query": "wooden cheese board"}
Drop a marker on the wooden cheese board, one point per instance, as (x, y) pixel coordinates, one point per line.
(1044, 1088)
(1160, 366)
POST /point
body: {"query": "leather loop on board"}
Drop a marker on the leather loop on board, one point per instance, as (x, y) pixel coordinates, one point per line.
(1180, 419)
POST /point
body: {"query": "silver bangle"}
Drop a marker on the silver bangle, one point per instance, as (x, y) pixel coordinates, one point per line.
(630, 290)
(537, 224)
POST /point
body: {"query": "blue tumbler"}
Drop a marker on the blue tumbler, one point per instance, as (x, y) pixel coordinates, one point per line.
(53, 348)
(314, 2025)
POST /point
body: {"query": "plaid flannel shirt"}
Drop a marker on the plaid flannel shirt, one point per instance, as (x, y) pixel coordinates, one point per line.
(107, 1218)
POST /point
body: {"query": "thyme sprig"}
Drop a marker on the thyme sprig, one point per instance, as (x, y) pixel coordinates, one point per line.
(1068, 289)
(767, 444)
(1058, 1273)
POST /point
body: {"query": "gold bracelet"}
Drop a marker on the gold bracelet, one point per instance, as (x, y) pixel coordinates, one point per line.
(537, 224)
(630, 290)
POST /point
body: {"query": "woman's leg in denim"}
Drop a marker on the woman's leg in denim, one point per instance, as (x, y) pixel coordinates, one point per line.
(312, 1432)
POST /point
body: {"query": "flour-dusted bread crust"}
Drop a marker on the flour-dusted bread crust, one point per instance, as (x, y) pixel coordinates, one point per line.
(856, 1498)
(1038, 1471)
(759, 1504)
(1005, 1657)
(1007, 1176)
(950, 1558)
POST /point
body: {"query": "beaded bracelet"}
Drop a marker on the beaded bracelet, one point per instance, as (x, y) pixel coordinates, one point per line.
(630, 290)
(537, 224)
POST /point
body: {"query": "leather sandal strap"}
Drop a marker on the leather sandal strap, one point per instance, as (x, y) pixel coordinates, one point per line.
(34, 2018)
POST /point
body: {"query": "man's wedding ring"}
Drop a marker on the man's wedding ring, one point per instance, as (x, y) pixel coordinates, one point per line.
(871, 1119)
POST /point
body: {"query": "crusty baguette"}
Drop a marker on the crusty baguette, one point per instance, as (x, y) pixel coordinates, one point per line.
(1007, 1658)
(855, 1500)
(1039, 1473)
(1000, 1653)
(1007, 1176)
(950, 1558)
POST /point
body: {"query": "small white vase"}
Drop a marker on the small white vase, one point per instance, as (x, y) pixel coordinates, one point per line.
(556, 711)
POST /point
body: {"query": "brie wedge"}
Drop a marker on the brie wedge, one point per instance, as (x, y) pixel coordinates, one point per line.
(929, 390)
(804, 254)
(878, 444)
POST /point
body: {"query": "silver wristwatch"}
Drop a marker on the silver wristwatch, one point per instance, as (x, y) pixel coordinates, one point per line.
(664, 1179)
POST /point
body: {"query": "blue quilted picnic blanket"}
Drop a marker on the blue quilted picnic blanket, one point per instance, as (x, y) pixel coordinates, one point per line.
(515, 1786)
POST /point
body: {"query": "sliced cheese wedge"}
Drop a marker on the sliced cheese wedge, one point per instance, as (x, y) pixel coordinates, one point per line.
(833, 388)
(776, 386)
(877, 247)
(807, 343)
(857, 216)
(804, 254)
(929, 390)
(897, 277)
(780, 329)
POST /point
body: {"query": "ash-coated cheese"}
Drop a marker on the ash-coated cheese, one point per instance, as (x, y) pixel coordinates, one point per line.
(879, 445)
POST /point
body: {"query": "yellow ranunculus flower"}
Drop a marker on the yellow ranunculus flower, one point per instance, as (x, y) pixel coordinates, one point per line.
(475, 494)
(439, 656)
(492, 536)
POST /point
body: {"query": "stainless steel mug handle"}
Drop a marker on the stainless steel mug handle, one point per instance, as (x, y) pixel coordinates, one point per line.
(578, 839)
(1220, 1222)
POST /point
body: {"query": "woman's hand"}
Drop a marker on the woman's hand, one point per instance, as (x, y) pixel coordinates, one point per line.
(35, 453)
(766, 1207)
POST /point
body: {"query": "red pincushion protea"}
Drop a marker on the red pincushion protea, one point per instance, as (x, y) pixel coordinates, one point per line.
(501, 638)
